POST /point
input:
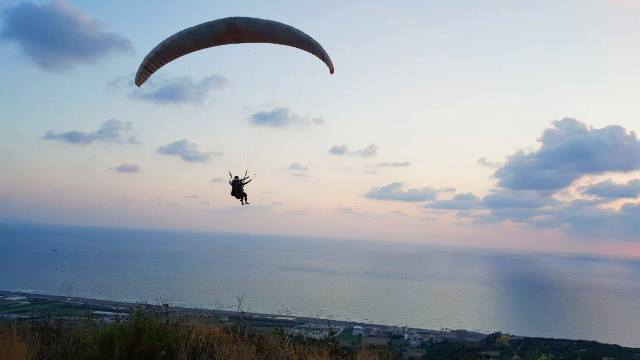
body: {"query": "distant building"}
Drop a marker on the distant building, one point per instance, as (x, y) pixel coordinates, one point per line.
(369, 331)
(357, 330)
(414, 339)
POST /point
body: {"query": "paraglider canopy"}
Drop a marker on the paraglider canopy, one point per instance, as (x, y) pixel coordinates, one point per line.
(232, 30)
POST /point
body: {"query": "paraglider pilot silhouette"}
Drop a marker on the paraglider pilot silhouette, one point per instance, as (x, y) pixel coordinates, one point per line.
(237, 187)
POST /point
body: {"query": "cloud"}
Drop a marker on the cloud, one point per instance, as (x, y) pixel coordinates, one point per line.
(297, 167)
(57, 36)
(528, 182)
(393, 164)
(583, 218)
(568, 151)
(371, 169)
(218, 180)
(281, 117)
(187, 151)
(340, 150)
(610, 190)
(371, 150)
(112, 130)
(500, 205)
(530, 185)
(127, 168)
(396, 192)
(464, 201)
(588, 221)
(176, 90)
(508, 199)
(489, 164)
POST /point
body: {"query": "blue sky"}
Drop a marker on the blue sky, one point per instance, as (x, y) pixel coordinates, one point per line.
(498, 124)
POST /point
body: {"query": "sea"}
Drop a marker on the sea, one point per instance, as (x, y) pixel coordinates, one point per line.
(545, 295)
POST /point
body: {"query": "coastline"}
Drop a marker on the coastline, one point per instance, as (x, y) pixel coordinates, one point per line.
(107, 310)
(25, 306)
(39, 315)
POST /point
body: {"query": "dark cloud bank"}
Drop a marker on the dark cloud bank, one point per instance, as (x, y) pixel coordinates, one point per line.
(528, 185)
(568, 151)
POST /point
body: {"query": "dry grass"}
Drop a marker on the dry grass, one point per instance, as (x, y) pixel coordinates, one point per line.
(13, 346)
(145, 337)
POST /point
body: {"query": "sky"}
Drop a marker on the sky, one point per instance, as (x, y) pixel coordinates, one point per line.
(494, 124)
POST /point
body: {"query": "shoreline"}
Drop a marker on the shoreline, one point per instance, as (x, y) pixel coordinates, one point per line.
(99, 305)
(27, 306)
(30, 312)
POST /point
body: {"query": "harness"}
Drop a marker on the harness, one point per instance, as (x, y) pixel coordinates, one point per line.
(237, 188)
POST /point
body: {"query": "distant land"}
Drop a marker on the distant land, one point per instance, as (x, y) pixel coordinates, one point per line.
(19, 308)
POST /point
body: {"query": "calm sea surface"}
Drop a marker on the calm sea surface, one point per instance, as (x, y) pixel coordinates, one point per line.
(534, 295)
